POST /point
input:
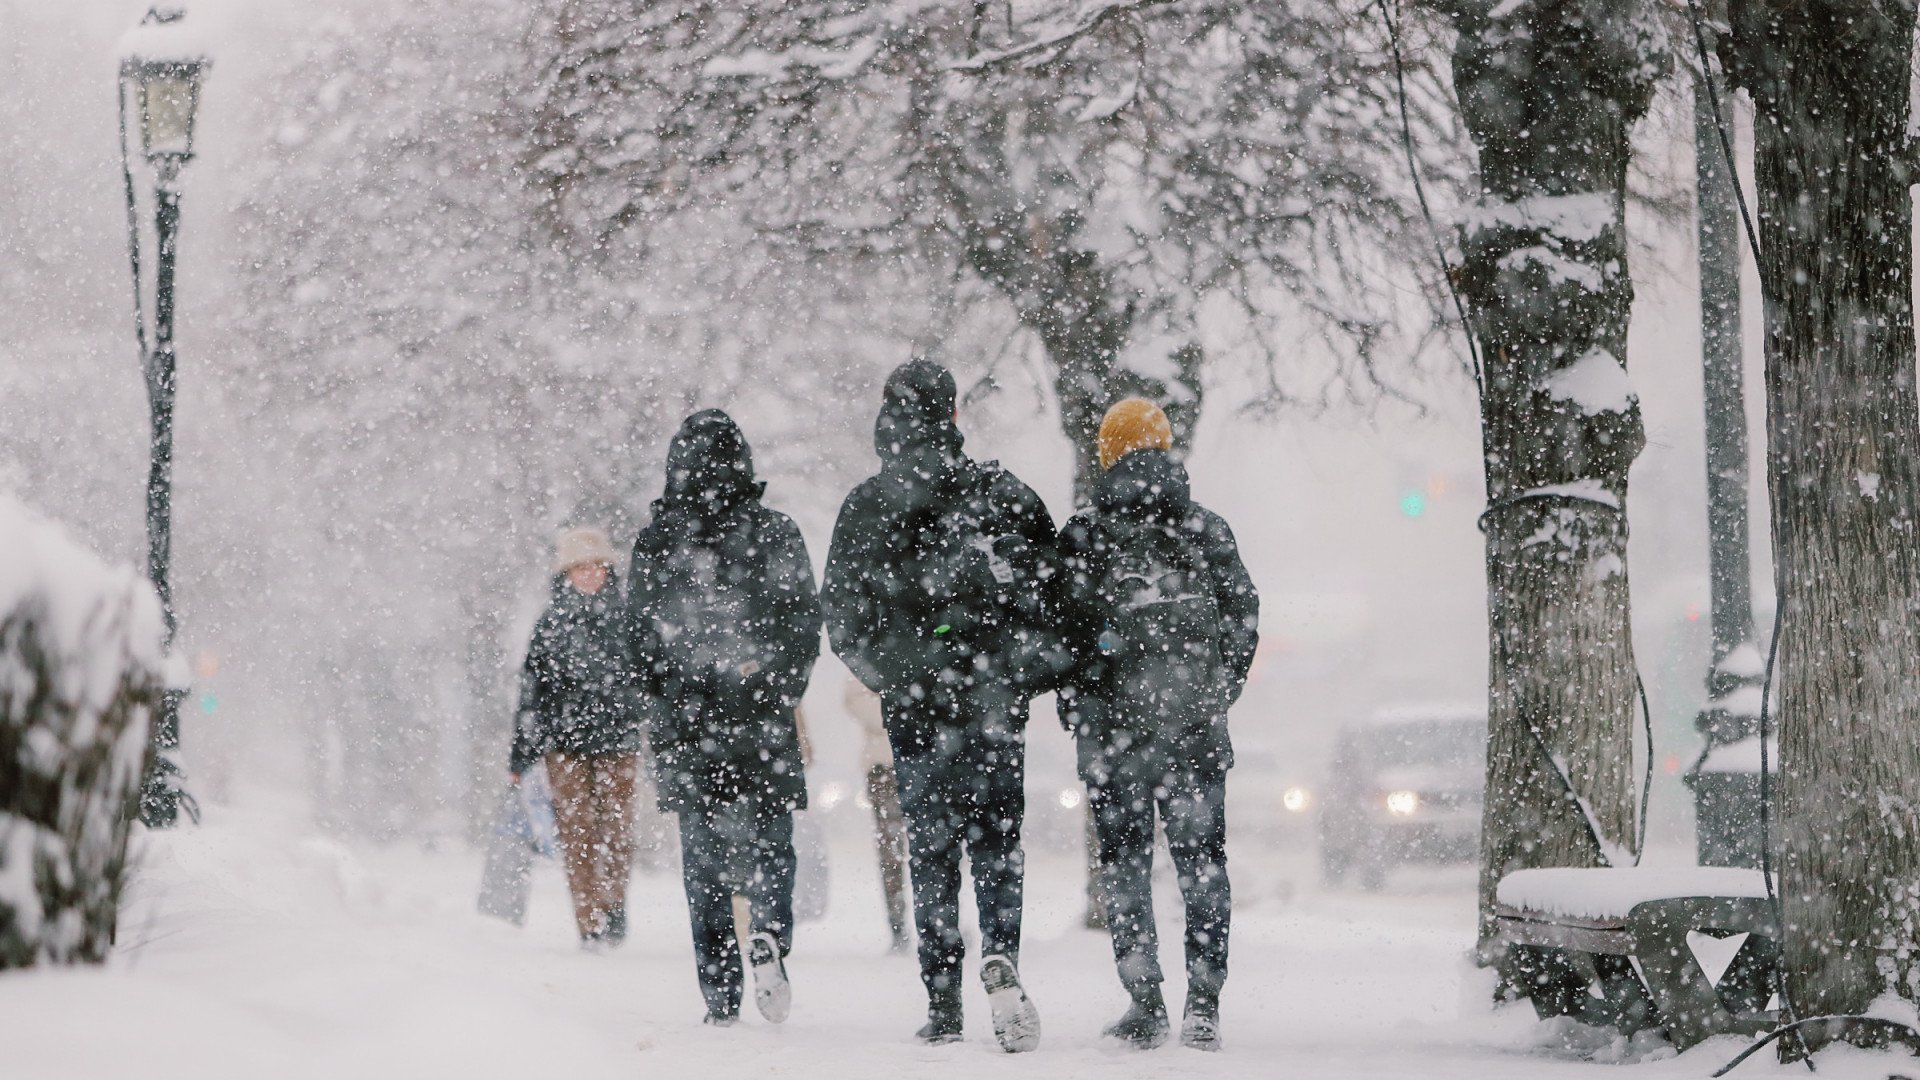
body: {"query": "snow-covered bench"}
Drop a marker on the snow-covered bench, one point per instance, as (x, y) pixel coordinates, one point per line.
(1646, 916)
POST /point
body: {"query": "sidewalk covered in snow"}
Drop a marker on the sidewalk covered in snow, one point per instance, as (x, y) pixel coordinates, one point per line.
(257, 947)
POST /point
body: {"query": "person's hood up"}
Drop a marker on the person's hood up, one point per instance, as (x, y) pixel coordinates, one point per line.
(1145, 484)
(916, 425)
(709, 467)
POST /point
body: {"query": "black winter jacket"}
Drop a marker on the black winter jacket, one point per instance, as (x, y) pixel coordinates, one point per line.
(881, 617)
(1144, 727)
(725, 624)
(579, 692)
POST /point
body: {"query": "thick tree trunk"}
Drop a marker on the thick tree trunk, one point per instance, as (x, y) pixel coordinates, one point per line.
(1059, 290)
(1066, 298)
(1830, 83)
(1088, 382)
(1073, 305)
(1549, 91)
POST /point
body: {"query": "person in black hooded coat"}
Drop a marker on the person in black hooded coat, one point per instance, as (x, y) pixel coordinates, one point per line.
(934, 589)
(1162, 618)
(726, 628)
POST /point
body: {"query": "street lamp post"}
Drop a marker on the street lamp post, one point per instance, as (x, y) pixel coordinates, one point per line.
(160, 76)
(1726, 778)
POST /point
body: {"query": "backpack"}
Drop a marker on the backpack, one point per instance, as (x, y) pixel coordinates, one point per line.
(982, 585)
(1162, 639)
(715, 608)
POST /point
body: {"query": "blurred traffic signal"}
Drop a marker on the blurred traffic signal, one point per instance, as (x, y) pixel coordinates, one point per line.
(1416, 496)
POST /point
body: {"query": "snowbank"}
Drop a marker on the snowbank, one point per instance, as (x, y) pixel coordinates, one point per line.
(81, 660)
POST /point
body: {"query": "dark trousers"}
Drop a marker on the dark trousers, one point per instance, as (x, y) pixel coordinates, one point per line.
(1194, 812)
(964, 796)
(743, 848)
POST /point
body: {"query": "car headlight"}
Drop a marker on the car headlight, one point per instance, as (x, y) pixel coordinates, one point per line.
(831, 795)
(1402, 803)
(1296, 799)
(1070, 797)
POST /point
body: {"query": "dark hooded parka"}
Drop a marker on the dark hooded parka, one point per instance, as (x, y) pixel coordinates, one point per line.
(1142, 705)
(893, 616)
(578, 686)
(726, 626)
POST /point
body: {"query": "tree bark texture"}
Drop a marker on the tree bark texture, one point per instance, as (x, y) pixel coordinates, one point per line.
(1830, 84)
(1083, 320)
(1059, 289)
(1549, 90)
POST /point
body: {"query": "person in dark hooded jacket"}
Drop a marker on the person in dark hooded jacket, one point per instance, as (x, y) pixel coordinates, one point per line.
(726, 626)
(1162, 619)
(934, 589)
(580, 710)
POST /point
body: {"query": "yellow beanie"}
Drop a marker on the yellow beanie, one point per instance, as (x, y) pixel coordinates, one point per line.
(1133, 424)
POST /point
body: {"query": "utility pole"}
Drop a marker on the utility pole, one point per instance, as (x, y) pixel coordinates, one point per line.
(1726, 777)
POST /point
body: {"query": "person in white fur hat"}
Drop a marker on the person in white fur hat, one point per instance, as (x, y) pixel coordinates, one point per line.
(580, 712)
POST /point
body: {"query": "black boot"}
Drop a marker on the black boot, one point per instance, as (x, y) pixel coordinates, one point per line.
(1145, 1024)
(616, 932)
(1201, 1028)
(943, 1019)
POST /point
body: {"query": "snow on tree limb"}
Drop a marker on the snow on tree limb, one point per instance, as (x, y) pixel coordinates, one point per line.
(1056, 36)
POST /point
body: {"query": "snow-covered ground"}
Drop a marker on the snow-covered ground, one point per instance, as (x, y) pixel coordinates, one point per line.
(257, 947)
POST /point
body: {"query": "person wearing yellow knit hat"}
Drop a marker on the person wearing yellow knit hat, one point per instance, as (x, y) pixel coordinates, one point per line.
(1162, 620)
(1133, 424)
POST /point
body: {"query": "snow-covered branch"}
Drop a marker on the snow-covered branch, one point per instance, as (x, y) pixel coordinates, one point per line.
(1055, 37)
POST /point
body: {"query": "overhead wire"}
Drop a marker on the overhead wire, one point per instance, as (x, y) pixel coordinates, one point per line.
(1420, 194)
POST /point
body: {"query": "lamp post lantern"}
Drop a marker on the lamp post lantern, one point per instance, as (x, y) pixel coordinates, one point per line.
(160, 75)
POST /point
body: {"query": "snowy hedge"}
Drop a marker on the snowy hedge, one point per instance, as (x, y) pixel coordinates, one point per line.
(81, 660)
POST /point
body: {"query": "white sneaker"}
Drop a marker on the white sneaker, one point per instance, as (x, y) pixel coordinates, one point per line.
(772, 993)
(1016, 1023)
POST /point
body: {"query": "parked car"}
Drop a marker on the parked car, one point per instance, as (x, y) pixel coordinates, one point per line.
(1406, 785)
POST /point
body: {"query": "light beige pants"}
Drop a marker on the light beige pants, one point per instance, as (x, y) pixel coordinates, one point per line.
(593, 814)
